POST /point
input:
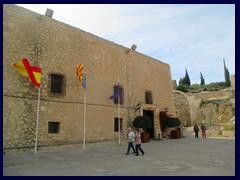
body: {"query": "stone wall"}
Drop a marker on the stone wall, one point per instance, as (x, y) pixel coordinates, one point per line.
(213, 108)
(182, 108)
(217, 111)
(174, 84)
(59, 48)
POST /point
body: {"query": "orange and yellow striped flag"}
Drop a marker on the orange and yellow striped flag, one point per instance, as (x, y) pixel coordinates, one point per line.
(31, 72)
(81, 76)
(80, 73)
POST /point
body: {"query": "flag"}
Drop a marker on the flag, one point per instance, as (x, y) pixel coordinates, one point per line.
(84, 84)
(116, 94)
(81, 76)
(31, 72)
(79, 73)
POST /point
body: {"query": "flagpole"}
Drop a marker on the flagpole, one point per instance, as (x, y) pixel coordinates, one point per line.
(118, 116)
(82, 78)
(119, 119)
(36, 139)
(84, 117)
(114, 96)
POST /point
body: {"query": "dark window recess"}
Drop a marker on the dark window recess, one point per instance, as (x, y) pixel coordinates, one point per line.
(115, 89)
(116, 124)
(53, 127)
(148, 97)
(57, 85)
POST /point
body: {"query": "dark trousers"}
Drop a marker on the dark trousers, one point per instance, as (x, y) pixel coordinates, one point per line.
(130, 145)
(138, 147)
(196, 134)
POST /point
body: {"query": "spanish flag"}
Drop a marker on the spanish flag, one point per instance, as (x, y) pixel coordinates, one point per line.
(31, 72)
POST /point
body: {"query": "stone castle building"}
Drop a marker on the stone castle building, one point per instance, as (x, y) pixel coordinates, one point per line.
(146, 86)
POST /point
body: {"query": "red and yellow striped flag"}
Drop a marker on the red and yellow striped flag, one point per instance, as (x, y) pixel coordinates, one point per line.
(80, 73)
(31, 72)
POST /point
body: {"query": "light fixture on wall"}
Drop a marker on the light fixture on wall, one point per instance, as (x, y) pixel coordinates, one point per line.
(138, 107)
(134, 47)
(49, 13)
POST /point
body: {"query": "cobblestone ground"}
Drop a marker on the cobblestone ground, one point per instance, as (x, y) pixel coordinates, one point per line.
(168, 157)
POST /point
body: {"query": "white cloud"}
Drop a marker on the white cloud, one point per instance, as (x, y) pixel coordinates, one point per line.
(197, 37)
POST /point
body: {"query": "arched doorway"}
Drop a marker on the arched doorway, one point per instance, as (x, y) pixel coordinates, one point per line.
(182, 107)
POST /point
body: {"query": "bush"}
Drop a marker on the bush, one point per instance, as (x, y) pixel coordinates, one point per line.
(142, 122)
(230, 127)
(215, 86)
(195, 87)
(182, 88)
(173, 122)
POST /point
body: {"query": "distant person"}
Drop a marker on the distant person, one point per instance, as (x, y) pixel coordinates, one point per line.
(131, 139)
(138, 142)
(196, 129)
(203, 128)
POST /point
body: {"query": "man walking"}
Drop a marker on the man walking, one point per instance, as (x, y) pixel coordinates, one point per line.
(131, 139)
(196, 129)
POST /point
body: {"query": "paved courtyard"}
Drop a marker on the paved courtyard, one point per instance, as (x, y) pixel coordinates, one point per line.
(168, 157)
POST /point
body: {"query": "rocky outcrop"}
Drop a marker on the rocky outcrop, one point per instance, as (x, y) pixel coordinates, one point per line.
(215, 109)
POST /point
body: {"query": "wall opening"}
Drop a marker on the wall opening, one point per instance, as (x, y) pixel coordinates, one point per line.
(116, 129)
(150, 114)
(53, 127)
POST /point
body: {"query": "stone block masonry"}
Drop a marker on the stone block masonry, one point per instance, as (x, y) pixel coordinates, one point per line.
(59, 48)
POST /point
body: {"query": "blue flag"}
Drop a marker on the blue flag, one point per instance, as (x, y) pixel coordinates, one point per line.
(116, 94)
(84, 84)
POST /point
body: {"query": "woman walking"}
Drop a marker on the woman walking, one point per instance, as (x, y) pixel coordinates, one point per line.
(203, 128)
(138, 143)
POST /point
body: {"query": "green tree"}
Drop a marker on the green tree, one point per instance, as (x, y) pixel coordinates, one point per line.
(202, 79)
(173, 122)
(227, 75)
(142, 122)
(183, 88)
(180, 82)
(186, 79)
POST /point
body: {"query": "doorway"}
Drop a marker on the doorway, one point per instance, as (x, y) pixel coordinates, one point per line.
(150, 114)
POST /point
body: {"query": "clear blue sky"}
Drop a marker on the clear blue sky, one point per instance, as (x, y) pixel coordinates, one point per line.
(195, 36)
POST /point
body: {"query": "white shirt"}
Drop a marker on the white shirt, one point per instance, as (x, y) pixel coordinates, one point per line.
(131, 136)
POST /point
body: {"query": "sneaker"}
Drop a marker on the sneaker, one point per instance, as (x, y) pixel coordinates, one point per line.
(143, 153)
(127, 153)
(136, 155)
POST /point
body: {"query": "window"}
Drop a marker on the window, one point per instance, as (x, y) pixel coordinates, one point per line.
(148, 97)
(116, 124)
(53, 127)
(57, 85)
(115, 89)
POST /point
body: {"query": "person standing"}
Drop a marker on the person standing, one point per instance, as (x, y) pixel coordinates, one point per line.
(203, 128)
(130, 138)
(138, 143)
(196, 129)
